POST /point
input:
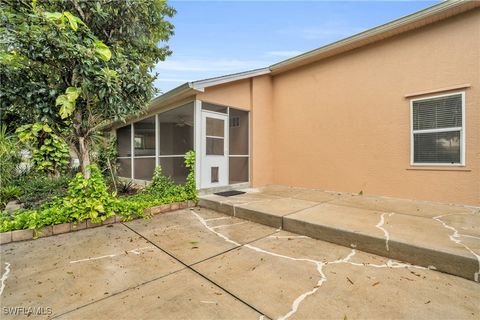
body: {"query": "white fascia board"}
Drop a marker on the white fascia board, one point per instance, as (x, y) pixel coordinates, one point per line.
(200, 85)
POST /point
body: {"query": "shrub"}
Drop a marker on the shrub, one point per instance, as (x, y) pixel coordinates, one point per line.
(37, 189)
(10, 157)
(8, 193)
(90, 199)
(49, 152)
(163, 189)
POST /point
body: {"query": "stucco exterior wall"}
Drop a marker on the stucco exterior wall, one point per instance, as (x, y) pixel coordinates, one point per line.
(262, 129)
(234, 94)
(343, 124)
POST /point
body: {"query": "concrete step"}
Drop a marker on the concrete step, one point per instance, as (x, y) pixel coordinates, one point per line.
(448, 242)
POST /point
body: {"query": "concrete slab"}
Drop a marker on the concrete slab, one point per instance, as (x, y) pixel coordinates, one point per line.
(271, 211)
(226, 204)
(316, 195)
(404, 206)
(290, 276)
(183, 233)
(70, 270)
(398, 236)
(182, 295)
(282, 191)
(113, 272)
(409, 230)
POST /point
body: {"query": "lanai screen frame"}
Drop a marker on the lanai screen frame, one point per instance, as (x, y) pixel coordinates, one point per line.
(197, 109)
(198, 142)
(157, 156)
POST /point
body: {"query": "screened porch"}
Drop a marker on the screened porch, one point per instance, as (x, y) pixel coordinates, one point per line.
(218, 134)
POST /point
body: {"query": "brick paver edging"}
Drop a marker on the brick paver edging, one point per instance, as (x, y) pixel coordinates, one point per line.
(29, 234)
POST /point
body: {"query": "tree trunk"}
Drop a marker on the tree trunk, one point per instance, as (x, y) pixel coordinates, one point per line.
(84, 157)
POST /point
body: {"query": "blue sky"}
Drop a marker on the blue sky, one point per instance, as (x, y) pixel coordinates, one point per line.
(214, 38)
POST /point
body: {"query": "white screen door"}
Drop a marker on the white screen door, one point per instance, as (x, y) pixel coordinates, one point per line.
(214, 164)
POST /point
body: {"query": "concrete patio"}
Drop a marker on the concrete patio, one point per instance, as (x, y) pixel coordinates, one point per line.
(434, 235)
(201, 264)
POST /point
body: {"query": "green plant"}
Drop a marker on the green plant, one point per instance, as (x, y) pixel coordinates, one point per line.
(125, 187)
(190, 185)
(85, 199)
(163, 190)
(37, 189)
(104, 155)
(10, 157)
(78, 65)
(8, 193)
(90, 199)
(49, 152)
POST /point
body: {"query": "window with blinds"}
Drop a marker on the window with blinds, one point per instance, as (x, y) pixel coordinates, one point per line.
(437, 130)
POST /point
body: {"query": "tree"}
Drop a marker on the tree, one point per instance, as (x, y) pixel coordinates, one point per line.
(76, 65)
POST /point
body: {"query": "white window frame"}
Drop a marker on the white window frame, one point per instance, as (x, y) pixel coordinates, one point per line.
(451, 129)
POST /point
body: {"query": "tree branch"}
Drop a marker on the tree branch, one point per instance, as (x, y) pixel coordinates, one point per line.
(80, 11)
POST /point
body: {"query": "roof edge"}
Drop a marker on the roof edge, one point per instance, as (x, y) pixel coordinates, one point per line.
(200, 85)
(361, 37)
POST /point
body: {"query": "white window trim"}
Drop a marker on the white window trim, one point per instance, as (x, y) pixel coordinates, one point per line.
(461, 129)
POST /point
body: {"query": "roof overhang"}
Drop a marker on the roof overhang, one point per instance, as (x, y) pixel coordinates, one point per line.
(418, 19)
(184, 92)
(200, 85)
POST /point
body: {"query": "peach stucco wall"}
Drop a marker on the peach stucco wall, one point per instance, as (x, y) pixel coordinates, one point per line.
(233, 94)
(262, 129)
(343, 124)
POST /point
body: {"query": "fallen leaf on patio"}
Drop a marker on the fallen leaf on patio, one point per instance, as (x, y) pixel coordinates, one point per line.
(194, 244)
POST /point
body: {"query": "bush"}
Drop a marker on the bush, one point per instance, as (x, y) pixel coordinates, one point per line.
(90, 199)
(37, 189)
(163, 190)
(85, 199)
(10, 157)
(8, 193)
(49, 152)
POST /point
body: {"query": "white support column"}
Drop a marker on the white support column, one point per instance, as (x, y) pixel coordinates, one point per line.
(132, 150)
(197, 138)
(157, 140)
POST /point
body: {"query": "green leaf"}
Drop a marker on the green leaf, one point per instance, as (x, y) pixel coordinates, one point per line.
(73, 93)
(71, 20)
(67, 101)
(53, 16)
(66, 106)
(102, 50)
(47, 128)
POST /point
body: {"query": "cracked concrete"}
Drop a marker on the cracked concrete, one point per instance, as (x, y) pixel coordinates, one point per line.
(183, 265)
(402, 229)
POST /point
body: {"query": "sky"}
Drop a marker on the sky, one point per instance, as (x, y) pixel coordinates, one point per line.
(214, 38)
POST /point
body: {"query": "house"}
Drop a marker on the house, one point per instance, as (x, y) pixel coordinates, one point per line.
(393, 111)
